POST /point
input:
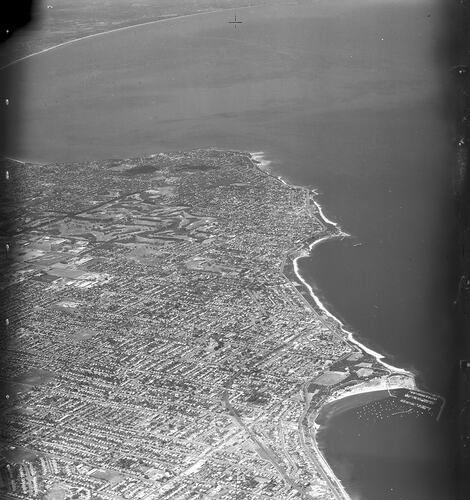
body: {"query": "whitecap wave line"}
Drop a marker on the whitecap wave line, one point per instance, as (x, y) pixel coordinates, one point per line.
(379, 357)
(323, 216)
(258, 157)
(308, 286)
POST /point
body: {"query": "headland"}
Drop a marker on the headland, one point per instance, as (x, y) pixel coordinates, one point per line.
(179, 347)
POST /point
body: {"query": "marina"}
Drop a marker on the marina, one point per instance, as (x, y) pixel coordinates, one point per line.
(360, 118)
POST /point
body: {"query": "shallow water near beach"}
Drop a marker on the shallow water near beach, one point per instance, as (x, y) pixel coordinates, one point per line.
(346, 97)
(387, 457)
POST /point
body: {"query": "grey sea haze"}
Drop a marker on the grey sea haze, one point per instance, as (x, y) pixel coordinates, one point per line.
(344, 96)
(200, 81)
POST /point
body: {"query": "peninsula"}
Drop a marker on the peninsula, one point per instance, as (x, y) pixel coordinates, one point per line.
(160, 339)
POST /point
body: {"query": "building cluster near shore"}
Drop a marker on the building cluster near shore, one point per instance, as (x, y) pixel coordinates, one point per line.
(157, 342)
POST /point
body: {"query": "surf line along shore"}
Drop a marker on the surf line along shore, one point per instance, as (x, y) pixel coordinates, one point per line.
(345, 377)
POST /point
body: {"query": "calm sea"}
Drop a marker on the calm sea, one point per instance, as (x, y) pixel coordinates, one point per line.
(344, 96)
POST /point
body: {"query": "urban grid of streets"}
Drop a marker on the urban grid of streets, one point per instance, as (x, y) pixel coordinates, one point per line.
(158, 343)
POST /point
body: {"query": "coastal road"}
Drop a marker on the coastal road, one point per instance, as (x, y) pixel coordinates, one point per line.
(316, 457)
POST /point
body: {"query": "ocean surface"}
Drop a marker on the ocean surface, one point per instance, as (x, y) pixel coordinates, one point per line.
(348, 97)
(384, 455)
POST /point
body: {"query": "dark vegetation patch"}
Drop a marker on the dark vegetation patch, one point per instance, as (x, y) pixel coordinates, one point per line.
(141, 170)
(188, 167)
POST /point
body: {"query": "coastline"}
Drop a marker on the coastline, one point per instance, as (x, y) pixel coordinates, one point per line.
(323, 302)
(114, 30)
(393, 377)
(334, 232)
(390, 378)
(22, 161)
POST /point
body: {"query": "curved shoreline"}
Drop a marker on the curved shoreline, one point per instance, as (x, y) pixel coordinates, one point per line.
(349, 335)
(128, 27)
(395, 377)
(334, 232)
(385, 378)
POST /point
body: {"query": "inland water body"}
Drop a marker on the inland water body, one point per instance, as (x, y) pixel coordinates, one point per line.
(347, 97)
